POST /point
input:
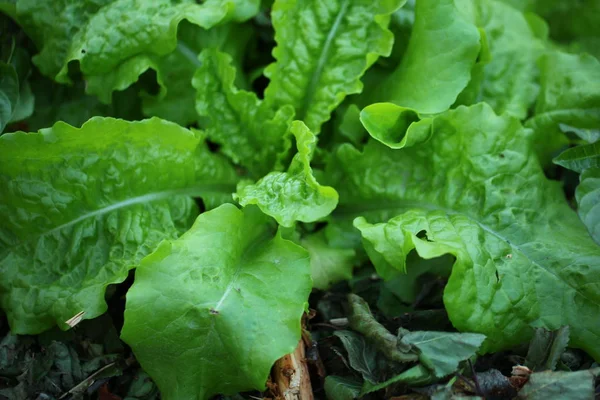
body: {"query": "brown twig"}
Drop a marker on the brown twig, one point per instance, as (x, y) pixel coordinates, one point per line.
(291, 376)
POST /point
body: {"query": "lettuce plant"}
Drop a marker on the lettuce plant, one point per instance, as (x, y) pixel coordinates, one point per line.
(234, 178)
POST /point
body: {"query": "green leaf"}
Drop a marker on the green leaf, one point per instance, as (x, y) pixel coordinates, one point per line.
(322, 52)
(569, 100)
(442, 351)
(81, 207)
(444, 31)
(341, 388)
(114, 41)
(475, 190)
(211, 312)
(328, 264)
(395, 126)
(577, 385)
(586, 160)
(546, 347)
(294, 195)
(178, 67)
(249, 132)
(580, 158)
(362, 355)
(417, 375)
(9, 93)
(507, 81)
(362, 321)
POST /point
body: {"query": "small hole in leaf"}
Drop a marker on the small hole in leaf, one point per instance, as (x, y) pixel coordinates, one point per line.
(501, 155)
(212, 146)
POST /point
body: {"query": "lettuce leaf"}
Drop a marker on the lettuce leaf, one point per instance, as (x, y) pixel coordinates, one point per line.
(322, 51)
(81, 207)
(225, 301)
(474, 190)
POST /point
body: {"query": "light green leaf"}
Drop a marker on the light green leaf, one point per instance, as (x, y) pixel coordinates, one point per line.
(587, 195)
(328, 264)
(546, 347)
(569, 100)
(586, 160)
(444, 31)
(211, 312)
(475, 191)
(577, 385)
(178, 67)
(114, 41)
(81, 207)
(442, 351)
(580, 158)
(294, 195)
(246, 128)
(362, 355)
(508, 78)
(395, 126)
(323, 49)
(341, 388)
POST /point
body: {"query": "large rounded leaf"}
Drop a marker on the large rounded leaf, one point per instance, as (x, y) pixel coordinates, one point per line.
(80, 207)
(212, 311)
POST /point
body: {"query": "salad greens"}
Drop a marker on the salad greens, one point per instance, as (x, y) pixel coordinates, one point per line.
(231, 155)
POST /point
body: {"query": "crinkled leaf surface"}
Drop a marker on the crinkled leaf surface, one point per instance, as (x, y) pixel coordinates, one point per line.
(442, 351)
(569, 100)
(444, 31)
(294, 195)
(211, 312)
(115, 41)
(578, 385)
(80, 207)
(474, 190)
(178, 67)
(323, 48)
(247, 129)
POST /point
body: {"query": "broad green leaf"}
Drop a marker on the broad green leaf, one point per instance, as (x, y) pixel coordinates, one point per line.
(362, 355)
(115, 41)
(569, 100)
(393, 125)
(211, 312)
(585, 160)
(9, 93)
(249, 132)
(178, 67)
(475, 190)
(507, 81)
(578, 385)
(546, 347)
(442, 351)
(81, 207)
(323, 49)
(444, 31)
(328, 264)
(294, 195)
(341, 388)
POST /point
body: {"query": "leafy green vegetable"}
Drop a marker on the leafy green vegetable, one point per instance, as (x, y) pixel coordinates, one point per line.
(362, 355)
(294, 195)
(328, 264)
(249, 132)
(82, 206)
(115, 41)
(496, 213)
(444, 30)
(340, 388)
(224, 300)
(323, 50)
